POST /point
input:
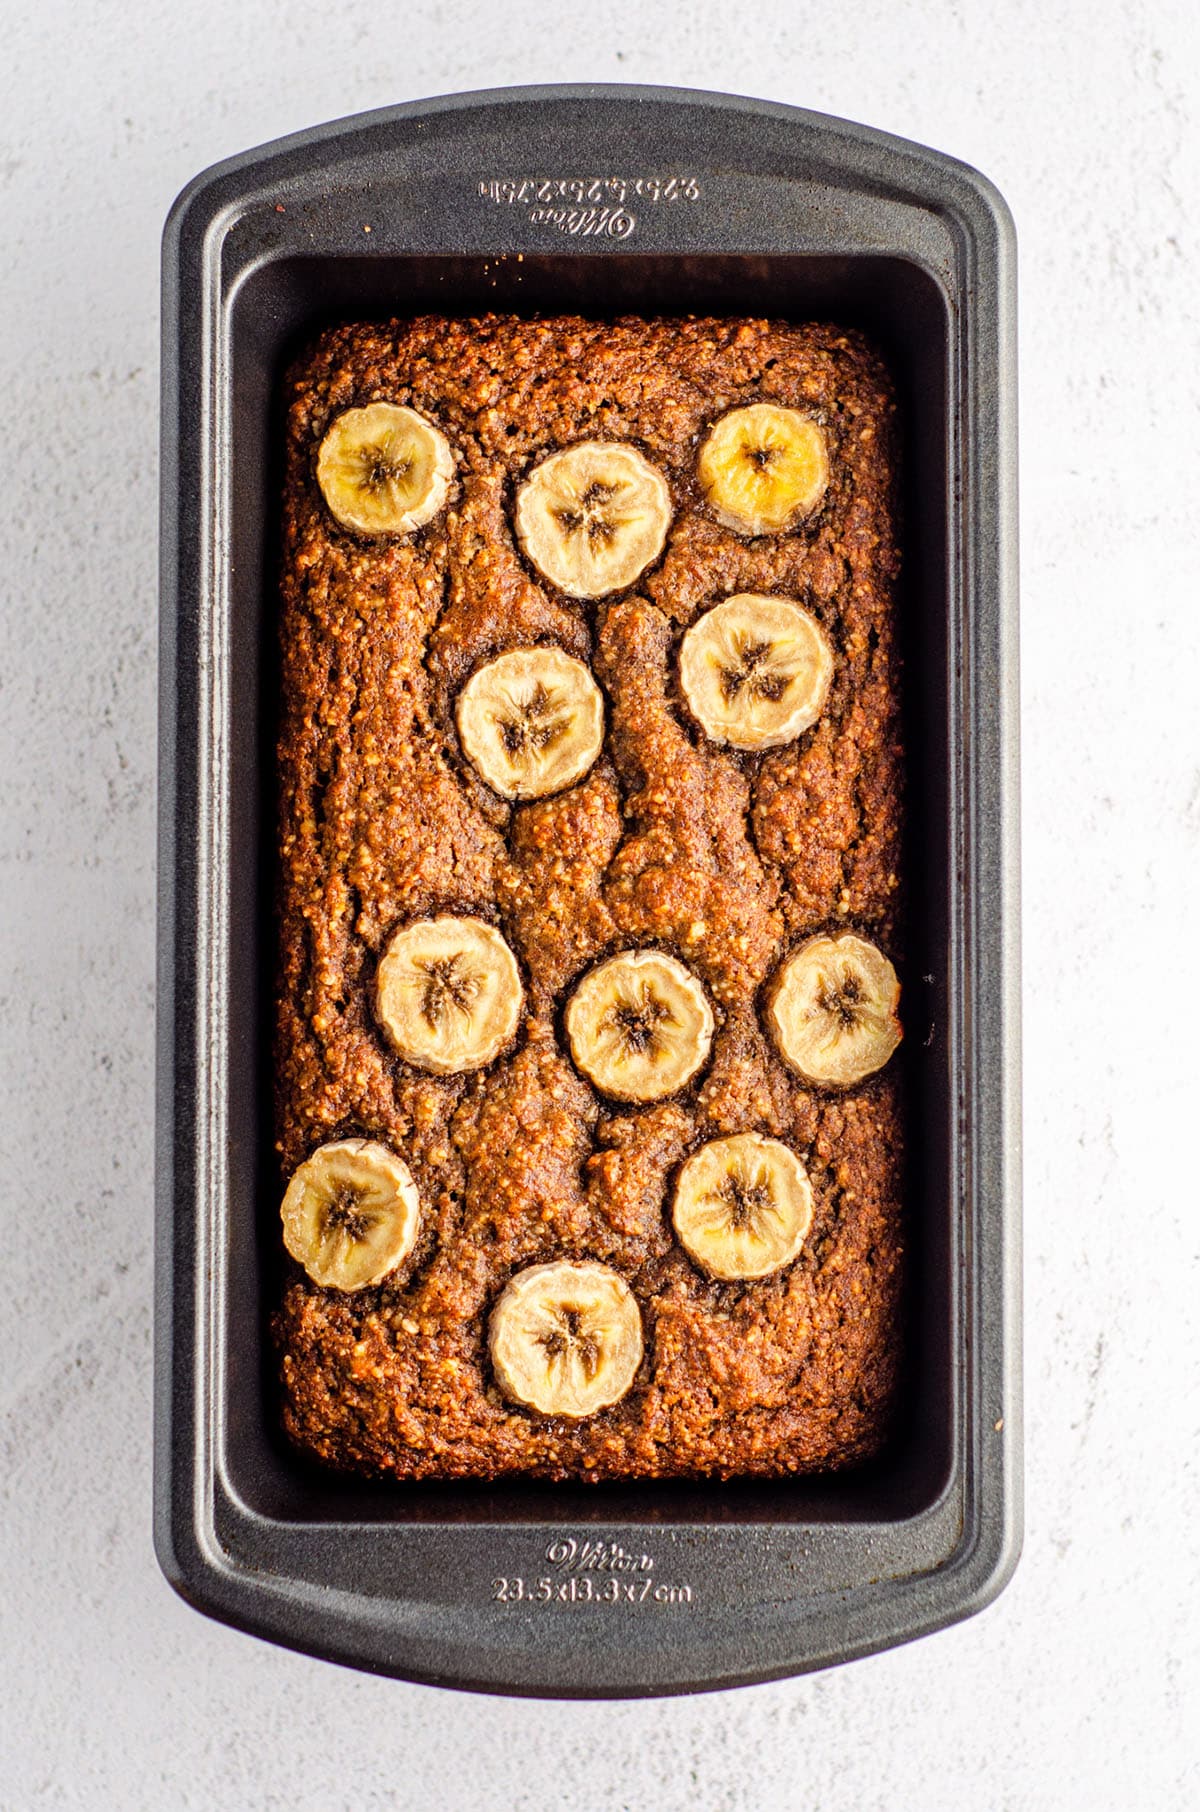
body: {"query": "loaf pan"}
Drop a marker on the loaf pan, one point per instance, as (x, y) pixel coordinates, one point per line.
(599, 200)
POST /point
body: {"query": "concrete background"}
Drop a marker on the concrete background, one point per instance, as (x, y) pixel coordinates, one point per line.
(1073, 1690)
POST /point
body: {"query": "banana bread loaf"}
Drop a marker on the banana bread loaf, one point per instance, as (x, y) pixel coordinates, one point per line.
(590, 887)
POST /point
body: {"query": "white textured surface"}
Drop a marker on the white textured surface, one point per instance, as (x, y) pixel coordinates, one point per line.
(1074, 1689)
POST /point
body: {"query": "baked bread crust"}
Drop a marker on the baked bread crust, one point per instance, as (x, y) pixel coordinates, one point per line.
(726, 860)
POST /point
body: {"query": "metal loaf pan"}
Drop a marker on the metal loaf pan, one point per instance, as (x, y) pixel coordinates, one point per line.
(600, 200)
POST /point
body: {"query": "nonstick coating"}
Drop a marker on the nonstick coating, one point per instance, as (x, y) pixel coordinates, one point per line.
(601, 201)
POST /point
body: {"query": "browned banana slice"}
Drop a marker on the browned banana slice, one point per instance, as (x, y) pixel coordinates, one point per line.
(566, 1338)
(832, 1010)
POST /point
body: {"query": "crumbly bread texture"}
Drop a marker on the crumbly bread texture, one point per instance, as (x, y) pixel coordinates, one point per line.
(725, 859)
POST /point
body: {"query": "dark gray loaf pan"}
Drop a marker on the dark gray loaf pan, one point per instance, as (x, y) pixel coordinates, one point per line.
(598, 200)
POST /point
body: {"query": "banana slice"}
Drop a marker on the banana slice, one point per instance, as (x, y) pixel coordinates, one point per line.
(448, 994)
(742, 1206)
(763, 468)
(566, 1338)
(832, 1010)
(593, 517)
(639, 1026)
(531, 722)
(350, 1213)
(756, 671)
(384, 470)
